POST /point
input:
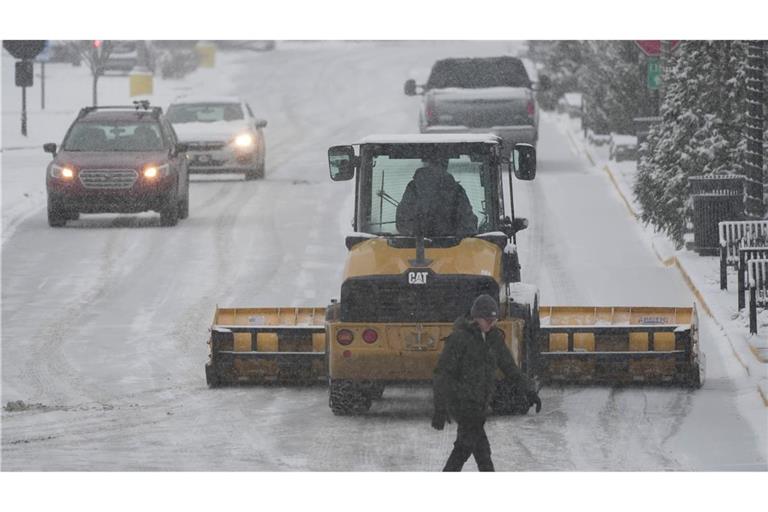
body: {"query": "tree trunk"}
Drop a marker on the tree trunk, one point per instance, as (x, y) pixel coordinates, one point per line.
(754, 207)
(95, 83)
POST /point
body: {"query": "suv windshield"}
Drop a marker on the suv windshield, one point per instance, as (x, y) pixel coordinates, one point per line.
(204, 112)
(478, 73)
(114, 136)
(406, 189)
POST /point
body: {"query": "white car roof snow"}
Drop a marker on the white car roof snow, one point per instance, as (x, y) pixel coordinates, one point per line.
(430, 138)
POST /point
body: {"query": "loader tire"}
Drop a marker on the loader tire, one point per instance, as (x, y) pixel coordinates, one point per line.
(508, 399)
(211, 377)
(345, 398)
(376, 392)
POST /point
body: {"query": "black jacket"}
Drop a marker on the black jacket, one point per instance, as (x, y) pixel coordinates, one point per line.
(465, 376)
(439, 202)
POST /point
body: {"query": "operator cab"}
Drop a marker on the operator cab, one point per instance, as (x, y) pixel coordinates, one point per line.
(442, 187)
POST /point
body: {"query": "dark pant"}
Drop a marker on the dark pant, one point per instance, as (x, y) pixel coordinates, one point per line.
(470, 440)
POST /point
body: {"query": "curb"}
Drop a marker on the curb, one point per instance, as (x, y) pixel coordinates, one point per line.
(691, 286)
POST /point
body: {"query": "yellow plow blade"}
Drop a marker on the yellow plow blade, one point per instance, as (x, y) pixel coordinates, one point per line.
(267, 345)
(619, 345)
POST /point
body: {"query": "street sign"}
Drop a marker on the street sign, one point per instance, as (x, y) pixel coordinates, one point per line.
(653, 48)
(24, 49)
(654, 73)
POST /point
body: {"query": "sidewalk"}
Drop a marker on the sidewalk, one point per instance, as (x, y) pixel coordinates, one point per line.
(701, 273)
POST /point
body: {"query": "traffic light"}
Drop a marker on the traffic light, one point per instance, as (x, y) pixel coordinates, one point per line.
(24, 73)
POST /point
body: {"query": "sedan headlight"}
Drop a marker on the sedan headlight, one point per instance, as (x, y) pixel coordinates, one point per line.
(244, 140)
(155, 171)
(62, 172)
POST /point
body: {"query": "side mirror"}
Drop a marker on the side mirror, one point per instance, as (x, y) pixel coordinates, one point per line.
(261, 123)
(524, 161)
(410, 87)
(511, 228)
(544, 83)
(341, 162)
(180, 147)
(50, 147)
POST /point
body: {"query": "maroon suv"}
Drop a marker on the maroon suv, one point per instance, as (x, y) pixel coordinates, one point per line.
(118, 160)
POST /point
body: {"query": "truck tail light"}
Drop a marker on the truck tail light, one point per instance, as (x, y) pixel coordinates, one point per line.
(345, 337)
(429, 111)
(531, 108)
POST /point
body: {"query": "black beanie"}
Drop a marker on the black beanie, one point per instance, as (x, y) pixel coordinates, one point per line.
(484, 307)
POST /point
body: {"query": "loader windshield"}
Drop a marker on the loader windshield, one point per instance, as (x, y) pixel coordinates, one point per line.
(438, 190)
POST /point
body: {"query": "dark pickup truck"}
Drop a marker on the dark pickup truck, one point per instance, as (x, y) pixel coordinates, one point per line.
(480, 95)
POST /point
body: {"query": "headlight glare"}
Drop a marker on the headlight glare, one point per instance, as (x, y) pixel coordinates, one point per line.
(62, 172)
(244, 140)
(155, 171)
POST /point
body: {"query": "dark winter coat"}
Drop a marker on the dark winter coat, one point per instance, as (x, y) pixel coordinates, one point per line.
(439, 202)
(465, 376)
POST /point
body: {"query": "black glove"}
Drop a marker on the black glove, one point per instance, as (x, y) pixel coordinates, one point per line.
(439, 419)
(533, 399)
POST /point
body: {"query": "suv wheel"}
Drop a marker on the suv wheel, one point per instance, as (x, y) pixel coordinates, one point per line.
(56, 216)
(257, 173)
(169, 215)
(184, 206)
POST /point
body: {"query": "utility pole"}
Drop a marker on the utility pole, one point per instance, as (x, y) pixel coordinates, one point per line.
(42, 86)
(754, 207)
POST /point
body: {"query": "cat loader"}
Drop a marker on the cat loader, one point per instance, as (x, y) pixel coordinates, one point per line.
(403, 287)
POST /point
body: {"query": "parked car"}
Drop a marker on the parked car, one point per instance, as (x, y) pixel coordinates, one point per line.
(64, 51)
(123, 159)
(622, 147)
(222, 135)
(598, 139)
(125, 55)
(570, 103)
(175, 59)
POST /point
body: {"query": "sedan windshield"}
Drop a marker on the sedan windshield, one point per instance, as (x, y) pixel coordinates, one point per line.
(204, 112)
(106, 136)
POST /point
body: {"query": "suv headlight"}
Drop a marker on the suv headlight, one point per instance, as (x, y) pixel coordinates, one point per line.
(244, 140)
(155, 171)
(62, 172)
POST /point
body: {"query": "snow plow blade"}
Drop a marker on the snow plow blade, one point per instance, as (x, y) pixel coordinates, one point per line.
(619, 345)
(267, 345)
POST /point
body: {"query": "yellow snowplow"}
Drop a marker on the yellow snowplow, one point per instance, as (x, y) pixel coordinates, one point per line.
(615, 345)
(403, 287)
(266, 345)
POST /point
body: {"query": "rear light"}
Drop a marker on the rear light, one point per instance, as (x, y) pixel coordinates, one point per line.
(370, 336)
(429, 111)
(531, 108)
(345, 337)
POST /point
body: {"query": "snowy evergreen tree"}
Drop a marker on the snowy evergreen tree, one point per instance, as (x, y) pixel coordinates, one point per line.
(563, 61)
(701, 131)
(614, 85)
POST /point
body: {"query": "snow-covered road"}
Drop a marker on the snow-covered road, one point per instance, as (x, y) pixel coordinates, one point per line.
(104, 322)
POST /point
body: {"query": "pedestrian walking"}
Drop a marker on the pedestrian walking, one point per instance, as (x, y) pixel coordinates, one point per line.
(465, 379)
